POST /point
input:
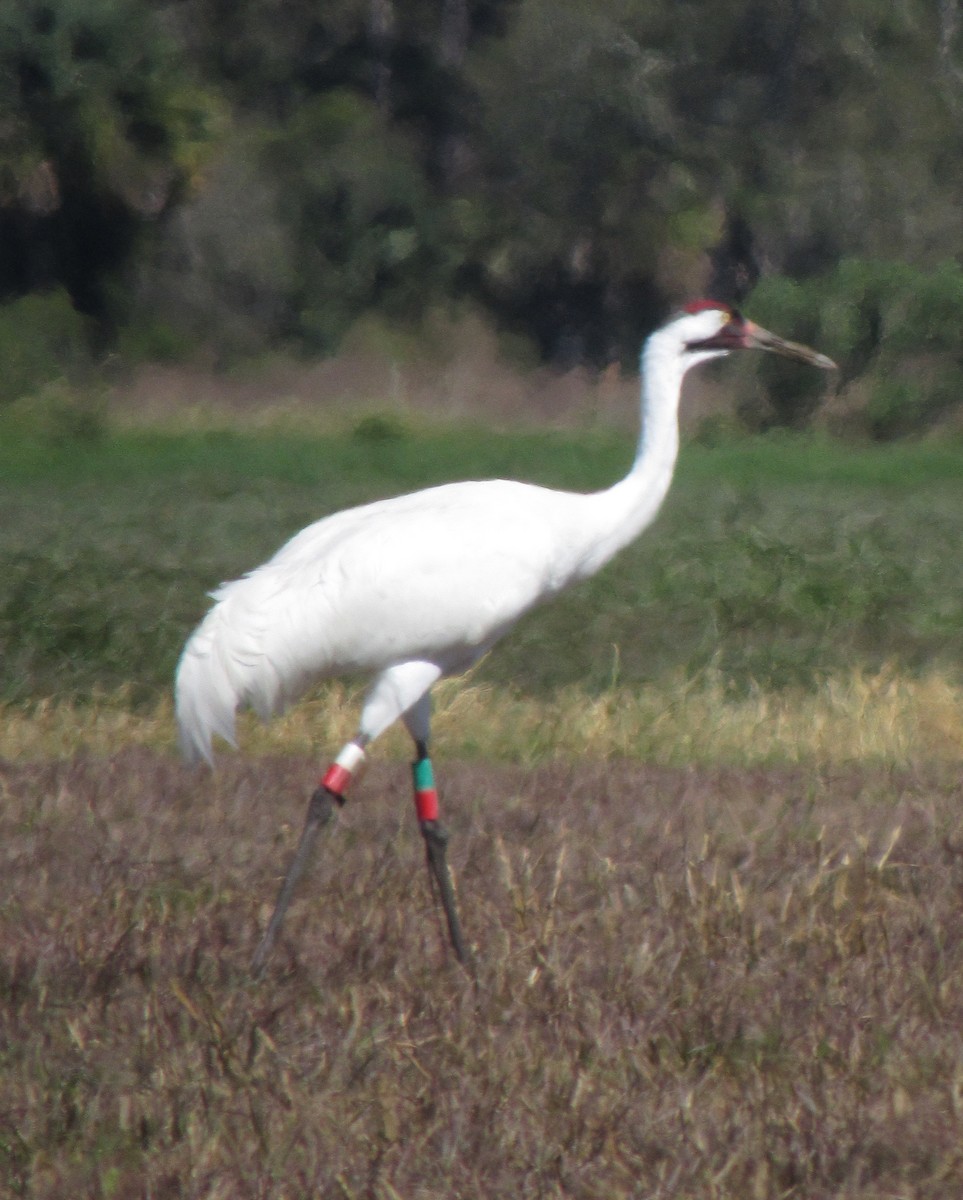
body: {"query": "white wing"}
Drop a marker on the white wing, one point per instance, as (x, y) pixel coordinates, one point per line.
(438, 576)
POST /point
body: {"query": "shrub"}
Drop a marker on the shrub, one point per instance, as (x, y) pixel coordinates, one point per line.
(893, 327)
(932, 313)
(42, 338)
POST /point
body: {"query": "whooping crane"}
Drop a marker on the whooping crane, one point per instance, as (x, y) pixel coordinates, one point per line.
(419, 587)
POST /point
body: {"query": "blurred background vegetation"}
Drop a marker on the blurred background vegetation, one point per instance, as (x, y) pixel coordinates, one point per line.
(237, 179)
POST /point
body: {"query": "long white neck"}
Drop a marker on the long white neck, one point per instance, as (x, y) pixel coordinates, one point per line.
(618, 515)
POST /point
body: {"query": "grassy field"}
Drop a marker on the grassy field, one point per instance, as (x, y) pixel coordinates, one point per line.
(775, 562)
(706, 830)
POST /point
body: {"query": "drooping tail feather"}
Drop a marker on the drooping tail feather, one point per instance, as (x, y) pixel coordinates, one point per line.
(225, 667)
(205, 698)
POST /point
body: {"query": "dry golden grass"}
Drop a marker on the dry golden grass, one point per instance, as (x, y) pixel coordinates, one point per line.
(691, 982)
(886, 719)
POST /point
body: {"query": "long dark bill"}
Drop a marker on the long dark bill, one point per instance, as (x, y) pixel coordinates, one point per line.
(757, 338)
(740, 334)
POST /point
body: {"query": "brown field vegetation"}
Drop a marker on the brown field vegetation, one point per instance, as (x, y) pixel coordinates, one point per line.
(690, 982)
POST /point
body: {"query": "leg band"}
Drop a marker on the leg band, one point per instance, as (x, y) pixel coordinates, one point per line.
(426, 797)
(337, 777)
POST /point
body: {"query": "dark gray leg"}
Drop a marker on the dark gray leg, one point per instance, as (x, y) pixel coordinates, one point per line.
(321, 808)
(436, 845)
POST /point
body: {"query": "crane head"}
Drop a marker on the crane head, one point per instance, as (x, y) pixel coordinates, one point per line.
(733, 331)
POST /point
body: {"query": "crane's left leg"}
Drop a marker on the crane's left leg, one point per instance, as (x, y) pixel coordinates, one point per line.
(329, 794)
(418, 720)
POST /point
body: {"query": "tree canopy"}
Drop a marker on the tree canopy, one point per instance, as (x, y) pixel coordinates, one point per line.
(262, 173)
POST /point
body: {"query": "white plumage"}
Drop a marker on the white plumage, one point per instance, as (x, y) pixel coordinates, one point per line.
(421, 586)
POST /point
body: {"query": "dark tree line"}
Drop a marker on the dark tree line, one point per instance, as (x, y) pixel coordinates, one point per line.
(262, 172)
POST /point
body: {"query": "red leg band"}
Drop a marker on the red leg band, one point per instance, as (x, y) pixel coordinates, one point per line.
(426, 804)
(336, 779)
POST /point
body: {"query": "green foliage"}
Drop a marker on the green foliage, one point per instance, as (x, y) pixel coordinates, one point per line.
(572, 167)
(379, 427)
(933, 315)
(103, 129)
(42, 338)
(577, 113)
(97, 88)
(149, 338)
(357, 204)
(56, 414)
